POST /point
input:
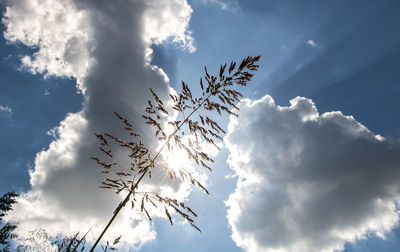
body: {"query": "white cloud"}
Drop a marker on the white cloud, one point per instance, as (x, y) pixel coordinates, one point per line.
(165, 20)
(308, 182)
(5, 111)
(311, 43)
(59, 31)
(106, 47)
(223, 4)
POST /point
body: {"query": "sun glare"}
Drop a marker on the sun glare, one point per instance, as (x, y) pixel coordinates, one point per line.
(177, 159)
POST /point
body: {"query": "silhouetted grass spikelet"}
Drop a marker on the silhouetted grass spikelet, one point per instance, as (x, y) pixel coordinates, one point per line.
(219, 95)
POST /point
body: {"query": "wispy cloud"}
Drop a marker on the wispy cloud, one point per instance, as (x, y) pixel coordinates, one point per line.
(311, 43)
(5, 111)
(308, 182)
(7, 57)
(224, 4)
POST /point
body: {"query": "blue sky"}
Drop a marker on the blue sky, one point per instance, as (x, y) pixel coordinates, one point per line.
(340, 55)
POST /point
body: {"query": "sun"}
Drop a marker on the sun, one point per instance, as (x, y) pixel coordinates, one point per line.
(177, 159)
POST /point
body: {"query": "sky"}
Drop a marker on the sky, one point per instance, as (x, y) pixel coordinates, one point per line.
(312, 163)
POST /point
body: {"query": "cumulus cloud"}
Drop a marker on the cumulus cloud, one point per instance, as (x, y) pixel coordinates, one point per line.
(105, 46)
(175, 28)
(58, 30)
(5, 111)
(308, 182)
